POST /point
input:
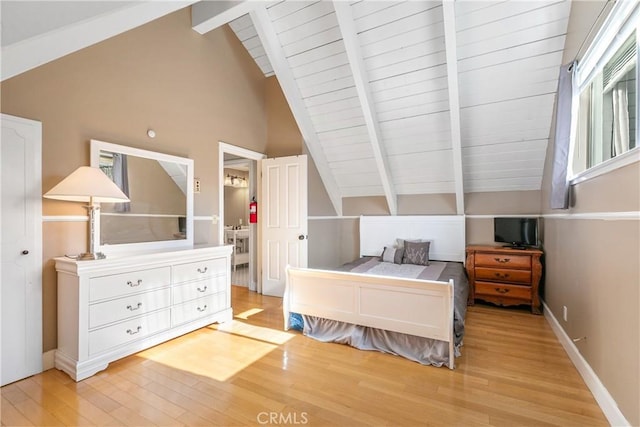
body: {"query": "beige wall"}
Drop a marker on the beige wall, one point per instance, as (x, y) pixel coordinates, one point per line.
(592, 268)
(193, 90)
(333, 242)
(319, 201)
(612, 192)
(427, 204)
(502, 203)
(284, 137)
(408, 204)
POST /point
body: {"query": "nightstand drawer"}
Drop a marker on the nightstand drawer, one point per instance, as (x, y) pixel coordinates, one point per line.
(503, 275)
(502, 290)
(503, 260)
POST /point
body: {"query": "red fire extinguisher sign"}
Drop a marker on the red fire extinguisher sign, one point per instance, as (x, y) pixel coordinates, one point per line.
(253, 211)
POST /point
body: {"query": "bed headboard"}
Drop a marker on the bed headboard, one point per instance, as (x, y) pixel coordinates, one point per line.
(446, 233)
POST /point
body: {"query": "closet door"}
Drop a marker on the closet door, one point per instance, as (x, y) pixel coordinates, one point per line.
(21, 248)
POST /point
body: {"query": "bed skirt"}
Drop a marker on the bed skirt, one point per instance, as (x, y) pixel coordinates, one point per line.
(425, 351)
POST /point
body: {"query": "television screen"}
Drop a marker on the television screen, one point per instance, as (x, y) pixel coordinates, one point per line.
(516, 231)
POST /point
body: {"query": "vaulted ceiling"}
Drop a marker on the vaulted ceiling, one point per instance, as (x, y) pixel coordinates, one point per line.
(396, 98)
(391, 97)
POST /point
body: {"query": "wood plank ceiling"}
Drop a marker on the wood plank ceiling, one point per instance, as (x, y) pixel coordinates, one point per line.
(415, 97)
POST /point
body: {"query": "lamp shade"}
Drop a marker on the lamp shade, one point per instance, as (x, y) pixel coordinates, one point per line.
(87, 184)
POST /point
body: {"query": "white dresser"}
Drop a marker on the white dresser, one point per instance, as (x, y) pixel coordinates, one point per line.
(114, 307)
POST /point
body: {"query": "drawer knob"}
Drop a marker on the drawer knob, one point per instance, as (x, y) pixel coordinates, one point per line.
(202, 289)
(203, 308)
(133, 285)
(202, 270)
(130, 332)
(502, 260)
(134, 308)
(502, 275)
(502, 290)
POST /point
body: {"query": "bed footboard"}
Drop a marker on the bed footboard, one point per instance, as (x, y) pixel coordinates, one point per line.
(409, 306)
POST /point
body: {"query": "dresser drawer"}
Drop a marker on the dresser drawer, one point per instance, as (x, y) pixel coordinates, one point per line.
(118, 285)
(503, 275)
(123, 308)
(199, 270)
(104, 339)
(199, 289)
(502, 290)
(200, 307)
(502, 260)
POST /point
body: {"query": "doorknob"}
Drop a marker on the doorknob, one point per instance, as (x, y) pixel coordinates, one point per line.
(25, 252)
(302, 237)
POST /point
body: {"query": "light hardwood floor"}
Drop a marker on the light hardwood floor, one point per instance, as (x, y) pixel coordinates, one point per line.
(512, 371)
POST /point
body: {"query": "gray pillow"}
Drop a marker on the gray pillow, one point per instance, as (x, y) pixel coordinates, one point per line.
(393, 255)
(416, 253)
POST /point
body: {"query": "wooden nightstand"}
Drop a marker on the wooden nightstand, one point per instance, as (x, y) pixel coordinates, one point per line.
(504, 276)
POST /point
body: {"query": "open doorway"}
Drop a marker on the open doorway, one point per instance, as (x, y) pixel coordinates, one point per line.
(238, 187)
(236, 217)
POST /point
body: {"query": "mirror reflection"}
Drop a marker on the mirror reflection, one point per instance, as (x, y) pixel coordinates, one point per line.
(158, 193)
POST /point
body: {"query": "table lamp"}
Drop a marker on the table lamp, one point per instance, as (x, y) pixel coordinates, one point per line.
(88, 184)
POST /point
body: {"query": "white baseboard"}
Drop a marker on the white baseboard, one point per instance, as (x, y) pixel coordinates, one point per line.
(48, 360)
(600, 393)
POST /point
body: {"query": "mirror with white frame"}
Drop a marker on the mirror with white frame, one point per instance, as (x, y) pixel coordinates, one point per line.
(160, 187)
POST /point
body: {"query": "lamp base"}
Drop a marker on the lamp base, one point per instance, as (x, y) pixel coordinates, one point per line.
(87, 256)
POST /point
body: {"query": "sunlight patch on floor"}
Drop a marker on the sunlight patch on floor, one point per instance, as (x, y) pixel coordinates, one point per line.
(255, 332)
(237, 347)
(248, 313)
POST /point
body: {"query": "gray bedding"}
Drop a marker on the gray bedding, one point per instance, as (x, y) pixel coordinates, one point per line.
(423, 350)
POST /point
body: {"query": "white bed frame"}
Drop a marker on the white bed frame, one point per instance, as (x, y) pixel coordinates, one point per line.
(416, 307)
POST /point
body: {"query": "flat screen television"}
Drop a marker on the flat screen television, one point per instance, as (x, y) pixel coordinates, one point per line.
(516, 232)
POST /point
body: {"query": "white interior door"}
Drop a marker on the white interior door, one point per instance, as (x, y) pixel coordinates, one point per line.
(20, 248)
(284, 219)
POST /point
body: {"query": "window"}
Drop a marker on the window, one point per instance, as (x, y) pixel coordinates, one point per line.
(607, 82)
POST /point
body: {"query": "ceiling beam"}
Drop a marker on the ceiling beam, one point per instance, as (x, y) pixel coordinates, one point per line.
(449, 15)
(360, 77)
(269, 38)
(208, 15)
(33, 52)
